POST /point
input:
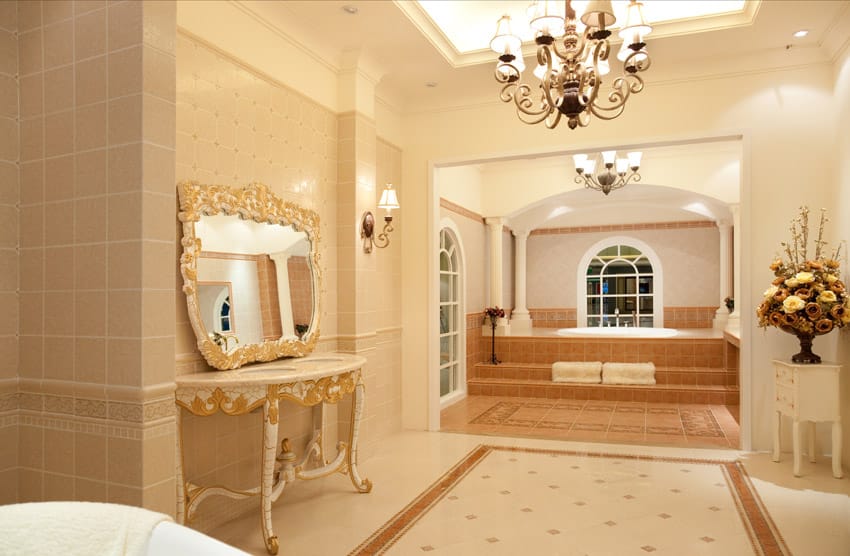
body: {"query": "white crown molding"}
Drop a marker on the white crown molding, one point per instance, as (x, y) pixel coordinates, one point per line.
(288, 35)
(837, 36)
(457, 59)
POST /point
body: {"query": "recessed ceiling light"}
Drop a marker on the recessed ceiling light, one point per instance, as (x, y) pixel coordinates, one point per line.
(801, 33)
(349, 9)
(431, 84)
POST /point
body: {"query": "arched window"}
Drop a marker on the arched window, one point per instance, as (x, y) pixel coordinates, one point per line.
(224, 314)
(620, 285)
(452, 320)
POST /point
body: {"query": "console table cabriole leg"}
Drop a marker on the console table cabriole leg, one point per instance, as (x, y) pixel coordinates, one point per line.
(362, 485)
(836, 450)
(181, 481)
(270, 419)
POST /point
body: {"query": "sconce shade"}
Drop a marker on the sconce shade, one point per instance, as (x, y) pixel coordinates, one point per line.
(389, 199)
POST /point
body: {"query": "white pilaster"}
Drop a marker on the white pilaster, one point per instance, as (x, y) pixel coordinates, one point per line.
(494, 230)
(734, 321)
(520, 319)
(721, 316)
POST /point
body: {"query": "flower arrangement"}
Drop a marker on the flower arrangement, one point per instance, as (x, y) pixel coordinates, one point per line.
(494, 312)
(807, 297)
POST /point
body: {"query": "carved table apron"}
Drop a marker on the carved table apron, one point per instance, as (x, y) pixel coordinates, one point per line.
(307, 381)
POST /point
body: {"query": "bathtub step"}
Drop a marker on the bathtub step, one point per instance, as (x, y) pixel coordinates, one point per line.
(674, 385)
(694, 376)
(663, 393)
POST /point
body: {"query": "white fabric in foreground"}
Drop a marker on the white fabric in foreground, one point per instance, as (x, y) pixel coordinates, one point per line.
(587, 372)
(71, 528)
(170, 539)
(628, 373)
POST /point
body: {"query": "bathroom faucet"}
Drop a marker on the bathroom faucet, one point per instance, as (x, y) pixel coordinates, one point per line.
(617, 317)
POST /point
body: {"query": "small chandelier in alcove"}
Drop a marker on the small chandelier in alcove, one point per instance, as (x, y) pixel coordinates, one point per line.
(571, 65)
(614, 172)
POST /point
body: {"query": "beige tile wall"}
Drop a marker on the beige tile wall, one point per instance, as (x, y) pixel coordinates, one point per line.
(96, 172)
(234, 126)
(9, 259)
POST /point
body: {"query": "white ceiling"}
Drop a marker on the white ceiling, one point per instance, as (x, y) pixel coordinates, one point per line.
(406, 49)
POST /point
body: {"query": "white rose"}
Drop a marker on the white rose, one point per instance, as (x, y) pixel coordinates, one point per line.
(827, 296)
(770, 292)
(830, 278)
(805, 277)
(792, 304)
(792, 282)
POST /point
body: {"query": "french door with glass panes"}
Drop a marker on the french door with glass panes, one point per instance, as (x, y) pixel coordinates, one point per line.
(452, 321)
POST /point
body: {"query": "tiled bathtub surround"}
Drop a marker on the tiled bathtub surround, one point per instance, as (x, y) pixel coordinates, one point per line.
(684, 352)
(96, 83)
(674, 317)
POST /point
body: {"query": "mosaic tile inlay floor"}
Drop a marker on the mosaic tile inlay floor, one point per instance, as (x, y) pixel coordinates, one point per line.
(501, 500)
(638, 422)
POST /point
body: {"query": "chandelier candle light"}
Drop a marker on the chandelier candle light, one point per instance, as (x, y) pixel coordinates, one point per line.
(570, 65)
(610, 178)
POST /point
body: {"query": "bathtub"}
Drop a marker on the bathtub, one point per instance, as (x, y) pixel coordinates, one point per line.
(619, 332)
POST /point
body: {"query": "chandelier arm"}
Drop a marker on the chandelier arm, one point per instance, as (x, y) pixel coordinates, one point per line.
(623, 88)
(524, 105)
(553, 118)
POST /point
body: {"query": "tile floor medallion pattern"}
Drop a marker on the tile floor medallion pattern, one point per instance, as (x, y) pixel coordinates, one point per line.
(689, 425)
(502, 500)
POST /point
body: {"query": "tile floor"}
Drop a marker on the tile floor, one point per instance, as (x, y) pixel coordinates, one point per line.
(327, 518)
(687, 425)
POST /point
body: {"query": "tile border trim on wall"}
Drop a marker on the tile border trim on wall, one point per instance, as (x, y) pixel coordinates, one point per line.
(625, 227)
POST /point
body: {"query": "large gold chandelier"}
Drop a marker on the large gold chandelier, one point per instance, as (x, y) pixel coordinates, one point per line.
(571, 65)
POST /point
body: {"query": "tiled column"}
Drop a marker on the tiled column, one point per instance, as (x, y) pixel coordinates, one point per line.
(520, 319)
(722, 315)
(97, 203)
(9, 258)
(356, 190)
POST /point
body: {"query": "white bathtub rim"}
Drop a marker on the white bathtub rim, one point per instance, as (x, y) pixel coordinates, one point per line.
(619, 332)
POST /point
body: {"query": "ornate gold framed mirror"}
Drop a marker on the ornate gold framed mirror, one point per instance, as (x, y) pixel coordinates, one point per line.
(251, 274)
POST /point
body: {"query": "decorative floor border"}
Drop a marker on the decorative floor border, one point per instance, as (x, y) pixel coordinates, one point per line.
(763, 533)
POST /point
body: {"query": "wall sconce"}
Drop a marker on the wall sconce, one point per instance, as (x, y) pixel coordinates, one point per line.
(388, 202)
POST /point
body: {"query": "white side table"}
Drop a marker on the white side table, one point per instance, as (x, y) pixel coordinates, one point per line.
(808, 393)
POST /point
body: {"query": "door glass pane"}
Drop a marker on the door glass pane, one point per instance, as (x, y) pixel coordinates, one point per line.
(444, 261)
(445, 287)
(445, 381)
(445, 319)
(445, 353)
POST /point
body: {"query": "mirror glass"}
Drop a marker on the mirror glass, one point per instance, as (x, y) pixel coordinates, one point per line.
(250, 274)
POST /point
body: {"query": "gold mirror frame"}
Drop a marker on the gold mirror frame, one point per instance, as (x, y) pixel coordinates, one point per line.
(254, 202)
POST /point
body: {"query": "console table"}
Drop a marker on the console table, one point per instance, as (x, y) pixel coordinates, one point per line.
(307, 381)
(808, 393)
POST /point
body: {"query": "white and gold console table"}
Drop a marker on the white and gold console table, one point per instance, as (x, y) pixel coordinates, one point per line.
(808, 393)
(307, 381)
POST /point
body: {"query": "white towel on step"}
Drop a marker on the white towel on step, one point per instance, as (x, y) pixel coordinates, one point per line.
(588, 372)
(628, 373)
